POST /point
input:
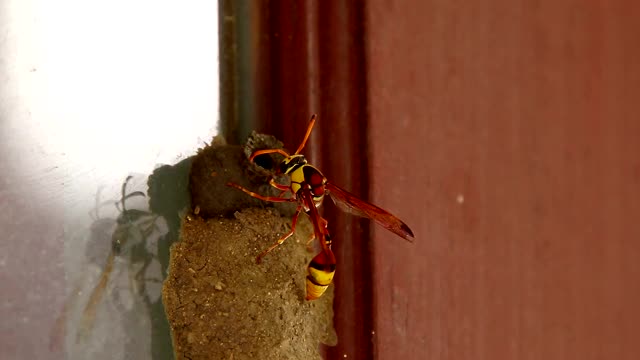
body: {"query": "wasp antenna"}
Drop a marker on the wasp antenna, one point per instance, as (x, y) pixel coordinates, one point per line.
(306, 136)
(124, 192)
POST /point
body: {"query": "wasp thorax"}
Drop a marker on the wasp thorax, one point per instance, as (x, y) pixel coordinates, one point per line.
(291, 163)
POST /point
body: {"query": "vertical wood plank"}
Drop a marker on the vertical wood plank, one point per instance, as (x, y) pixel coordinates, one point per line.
(507, 135)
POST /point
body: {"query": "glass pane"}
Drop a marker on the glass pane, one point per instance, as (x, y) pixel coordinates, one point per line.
(95, 95)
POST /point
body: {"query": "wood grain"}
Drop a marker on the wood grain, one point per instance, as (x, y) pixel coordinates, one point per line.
(506, 134)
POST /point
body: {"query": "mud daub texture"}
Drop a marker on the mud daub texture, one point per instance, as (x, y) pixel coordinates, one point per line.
(222, 305)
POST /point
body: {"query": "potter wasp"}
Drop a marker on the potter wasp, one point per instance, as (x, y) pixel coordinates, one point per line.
(308, 187)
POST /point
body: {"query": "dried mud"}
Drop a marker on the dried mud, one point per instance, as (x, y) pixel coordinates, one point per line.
(221, 304)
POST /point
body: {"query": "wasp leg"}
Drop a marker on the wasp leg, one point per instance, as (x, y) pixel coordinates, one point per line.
(283, 188)
(311, 238)
(261, 197)
(323, 224)
(278, 186)
(294, 220)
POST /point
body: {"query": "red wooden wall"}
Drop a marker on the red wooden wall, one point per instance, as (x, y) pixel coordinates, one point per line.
(507, 133)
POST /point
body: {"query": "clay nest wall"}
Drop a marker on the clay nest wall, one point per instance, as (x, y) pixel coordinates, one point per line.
(221, 304)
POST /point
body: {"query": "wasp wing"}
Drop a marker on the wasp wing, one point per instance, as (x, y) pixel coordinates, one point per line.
(356, 206)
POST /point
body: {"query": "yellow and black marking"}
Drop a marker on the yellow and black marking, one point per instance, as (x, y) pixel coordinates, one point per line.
(301, 172)
(320, 274)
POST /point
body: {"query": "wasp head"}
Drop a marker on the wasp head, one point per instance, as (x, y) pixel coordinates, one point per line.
(292, 162)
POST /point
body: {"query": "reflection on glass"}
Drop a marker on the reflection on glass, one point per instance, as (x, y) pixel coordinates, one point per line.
(93, 91)
(119, 297)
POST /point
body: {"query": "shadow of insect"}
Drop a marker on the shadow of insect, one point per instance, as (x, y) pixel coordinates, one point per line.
(132, 229)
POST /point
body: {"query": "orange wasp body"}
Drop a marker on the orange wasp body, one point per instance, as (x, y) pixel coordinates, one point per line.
(308, 187)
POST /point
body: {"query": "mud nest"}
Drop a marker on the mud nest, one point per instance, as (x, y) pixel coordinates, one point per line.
(221, 304)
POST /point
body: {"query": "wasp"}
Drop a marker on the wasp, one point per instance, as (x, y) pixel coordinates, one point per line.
(308, 187)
